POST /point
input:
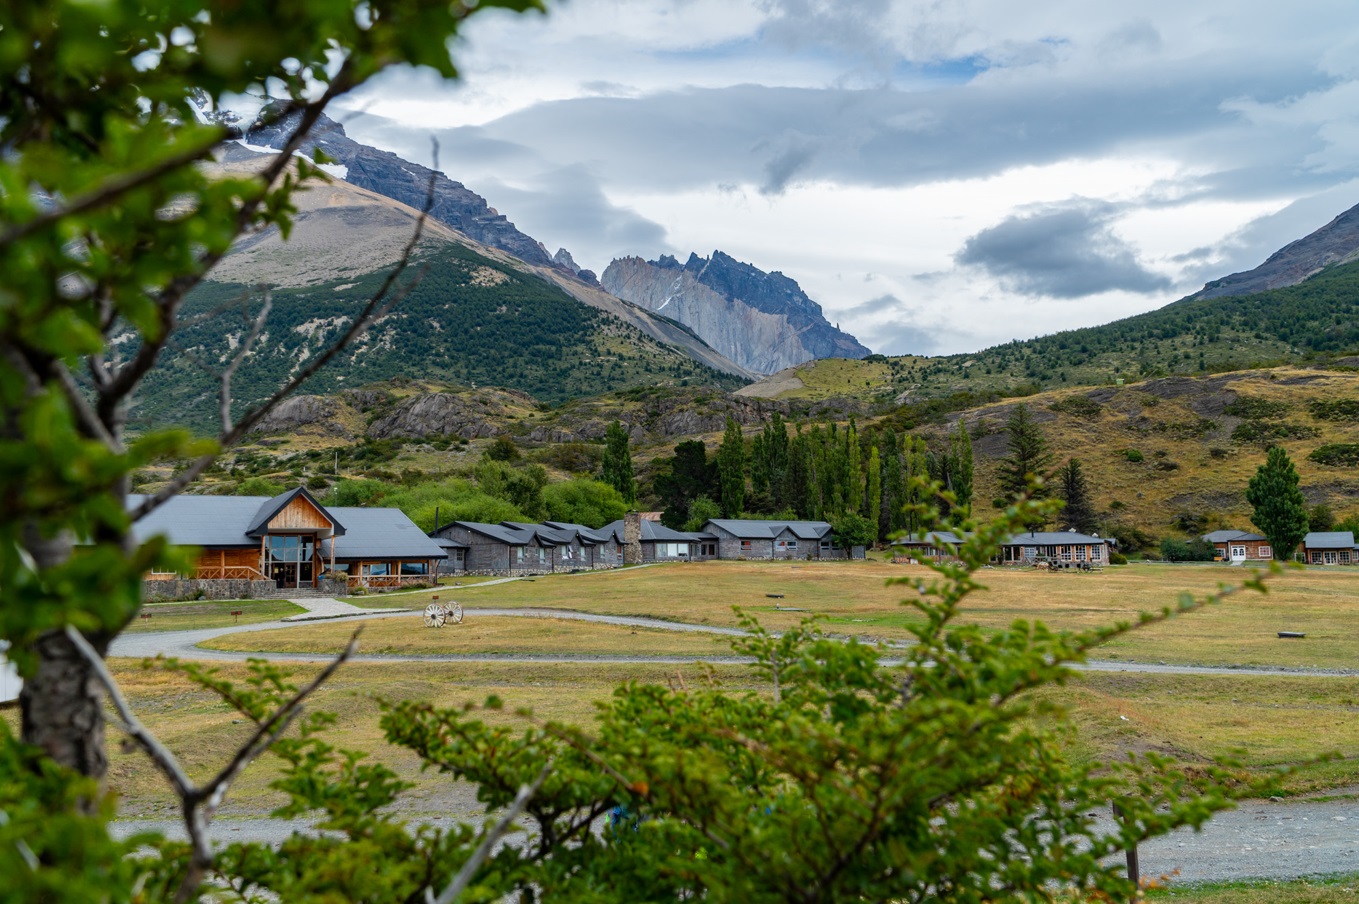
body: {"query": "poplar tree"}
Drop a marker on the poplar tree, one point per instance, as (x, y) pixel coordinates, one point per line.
(1280, 510)
(617, 464)
(961, 468)
(731, 470)
(873, 490)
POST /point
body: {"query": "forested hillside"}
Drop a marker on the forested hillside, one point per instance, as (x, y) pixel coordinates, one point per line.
(1316, 319)
(469, 320)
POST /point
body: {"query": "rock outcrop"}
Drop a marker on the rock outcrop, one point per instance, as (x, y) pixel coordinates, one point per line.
(762, 321)
(387, 174)
(1335, 243)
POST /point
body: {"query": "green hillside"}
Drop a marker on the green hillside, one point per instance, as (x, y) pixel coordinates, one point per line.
(469, 320)
(1314, 320)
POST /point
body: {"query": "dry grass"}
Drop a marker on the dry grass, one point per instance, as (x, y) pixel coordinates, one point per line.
(1323, 890)
(855, 599)
(481, 634)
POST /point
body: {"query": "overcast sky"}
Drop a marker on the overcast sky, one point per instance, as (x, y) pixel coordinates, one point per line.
(940, 175)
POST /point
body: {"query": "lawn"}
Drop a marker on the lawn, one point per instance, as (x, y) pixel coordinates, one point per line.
(855, 599)
(210, 614)
(1321, 890)
(497, 635)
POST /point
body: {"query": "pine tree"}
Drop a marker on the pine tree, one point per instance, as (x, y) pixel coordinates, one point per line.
(1029, 454)
(1280, 508)
(617, 465)
(1079, 513)
(731, 470)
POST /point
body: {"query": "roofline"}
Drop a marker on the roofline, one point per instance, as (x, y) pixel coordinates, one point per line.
(337, 529)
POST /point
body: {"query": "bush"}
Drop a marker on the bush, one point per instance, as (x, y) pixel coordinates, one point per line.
(258, 486)
(1336, 454)
(1256, 408)
(1078, 406)
(1266, 432)
(502, 448)
(1196, 550)
(1117, 558)
(1338, 410)
(1134, 455)
(1132, 539)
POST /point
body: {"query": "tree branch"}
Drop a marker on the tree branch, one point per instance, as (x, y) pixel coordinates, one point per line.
(464, 876)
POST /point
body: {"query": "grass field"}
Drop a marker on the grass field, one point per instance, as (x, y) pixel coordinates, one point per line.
(210, 614)
(855, 600)
(481, 634)
(1322, 890)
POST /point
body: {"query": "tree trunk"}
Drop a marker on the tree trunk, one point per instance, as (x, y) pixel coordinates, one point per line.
(62, 706)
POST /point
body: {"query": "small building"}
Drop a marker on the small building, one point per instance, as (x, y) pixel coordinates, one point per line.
(1237, 546)
(1055, 547)
(929, 545)
(1333, 547)
(251, 545)
(663, 544)
(751, 539)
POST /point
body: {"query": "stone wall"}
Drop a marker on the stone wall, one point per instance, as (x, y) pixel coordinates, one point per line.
(632, 539)
(161, 591)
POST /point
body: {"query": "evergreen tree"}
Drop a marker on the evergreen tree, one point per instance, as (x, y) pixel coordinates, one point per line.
(892, 485)
(797, 477)
(731, 470)
(1280, 511)
(916, 468)
(1079, 513)
(691, 474)
(1029, 454)
(618, 463)
(873, 490)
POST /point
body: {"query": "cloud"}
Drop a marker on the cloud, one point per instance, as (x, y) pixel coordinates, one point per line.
(1060, 251)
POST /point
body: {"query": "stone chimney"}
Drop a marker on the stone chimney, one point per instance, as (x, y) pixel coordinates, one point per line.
(632, 538)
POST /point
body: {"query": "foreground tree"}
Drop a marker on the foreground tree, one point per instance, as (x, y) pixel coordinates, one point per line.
(1279, 508)
(107, 222)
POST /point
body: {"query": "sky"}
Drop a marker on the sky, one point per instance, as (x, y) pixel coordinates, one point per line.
(939, 175)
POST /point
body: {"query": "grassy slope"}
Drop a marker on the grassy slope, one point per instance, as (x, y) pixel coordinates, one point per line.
(1319, 317)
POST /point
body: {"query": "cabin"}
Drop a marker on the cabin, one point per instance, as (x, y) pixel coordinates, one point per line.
(255, 545)
(1329, 548)
(520, 548)
(595, 548)
(750, 539)
(1060, 548)
(932, 545)
(663, 544)
(1237, 546)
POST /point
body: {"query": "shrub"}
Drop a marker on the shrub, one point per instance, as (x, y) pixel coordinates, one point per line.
(1337, 410)
(1256, 408)
(1078, 406)
(1117, 558)
(1134, 455)
(1196, 550)
(1336, 454)
(1166, 464)
(1265, 432)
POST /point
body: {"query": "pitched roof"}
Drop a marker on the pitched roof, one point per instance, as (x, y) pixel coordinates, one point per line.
(929, 538)
(1329, 539)
(508, 535)
(271, 507)
(1052, 538)
(223, 521)
(588, 536)
(1227, 536)
(656, 532)
(749, 529)
(382, 533)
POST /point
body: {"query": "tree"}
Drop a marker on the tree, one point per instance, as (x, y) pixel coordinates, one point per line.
(1079, 512)
(961, 466)
(1320, 517)
(1280, 510)
(701, 511)
(873, 488)
(690, 474)
(731, 470)
(617, 467)
(852, 529)
(1028, 456)
(584, 501)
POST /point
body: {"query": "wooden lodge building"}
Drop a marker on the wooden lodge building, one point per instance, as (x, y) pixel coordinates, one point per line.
(1237, 546)
(254, 545)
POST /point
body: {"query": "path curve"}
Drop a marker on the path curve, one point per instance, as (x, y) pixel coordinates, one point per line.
(184, 645)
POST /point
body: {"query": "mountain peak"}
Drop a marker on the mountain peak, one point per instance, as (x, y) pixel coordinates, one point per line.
(763, 321)
(1335, 243)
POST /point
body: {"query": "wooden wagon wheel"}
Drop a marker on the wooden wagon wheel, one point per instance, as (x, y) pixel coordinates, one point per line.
(455, 613)
(435, 616)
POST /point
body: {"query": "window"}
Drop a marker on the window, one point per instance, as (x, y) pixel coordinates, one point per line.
(162, 572)
(1331, 558)
(1238, 552)
(1064, 553)
(1316, 557)
(1097, 553)
(1266, 553)
(745, 546)
(1344, 557)
(1080, 553)
(377, 569)
(1030, 552)
(413, 568)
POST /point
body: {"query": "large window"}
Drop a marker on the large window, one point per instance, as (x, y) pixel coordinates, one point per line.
(290, 548)
(413, 568)
(377, 569)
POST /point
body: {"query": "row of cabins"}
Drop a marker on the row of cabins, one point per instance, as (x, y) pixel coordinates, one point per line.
(512, 547)
(1030, 547)
(1317, 548)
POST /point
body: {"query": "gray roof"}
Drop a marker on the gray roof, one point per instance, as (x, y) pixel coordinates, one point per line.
(445, 543)
(547, 534)
(1227, 536)
(1329, 539)
(929, 538)
(1052, 538)
(508, 535)
(271, 507)
(588, 536)
(656, 532)
(381, 533)
(768, 530)
(224, 521)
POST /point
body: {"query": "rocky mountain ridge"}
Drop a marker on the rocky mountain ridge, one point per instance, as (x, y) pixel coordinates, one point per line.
(762, 321)
(1335, 243)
